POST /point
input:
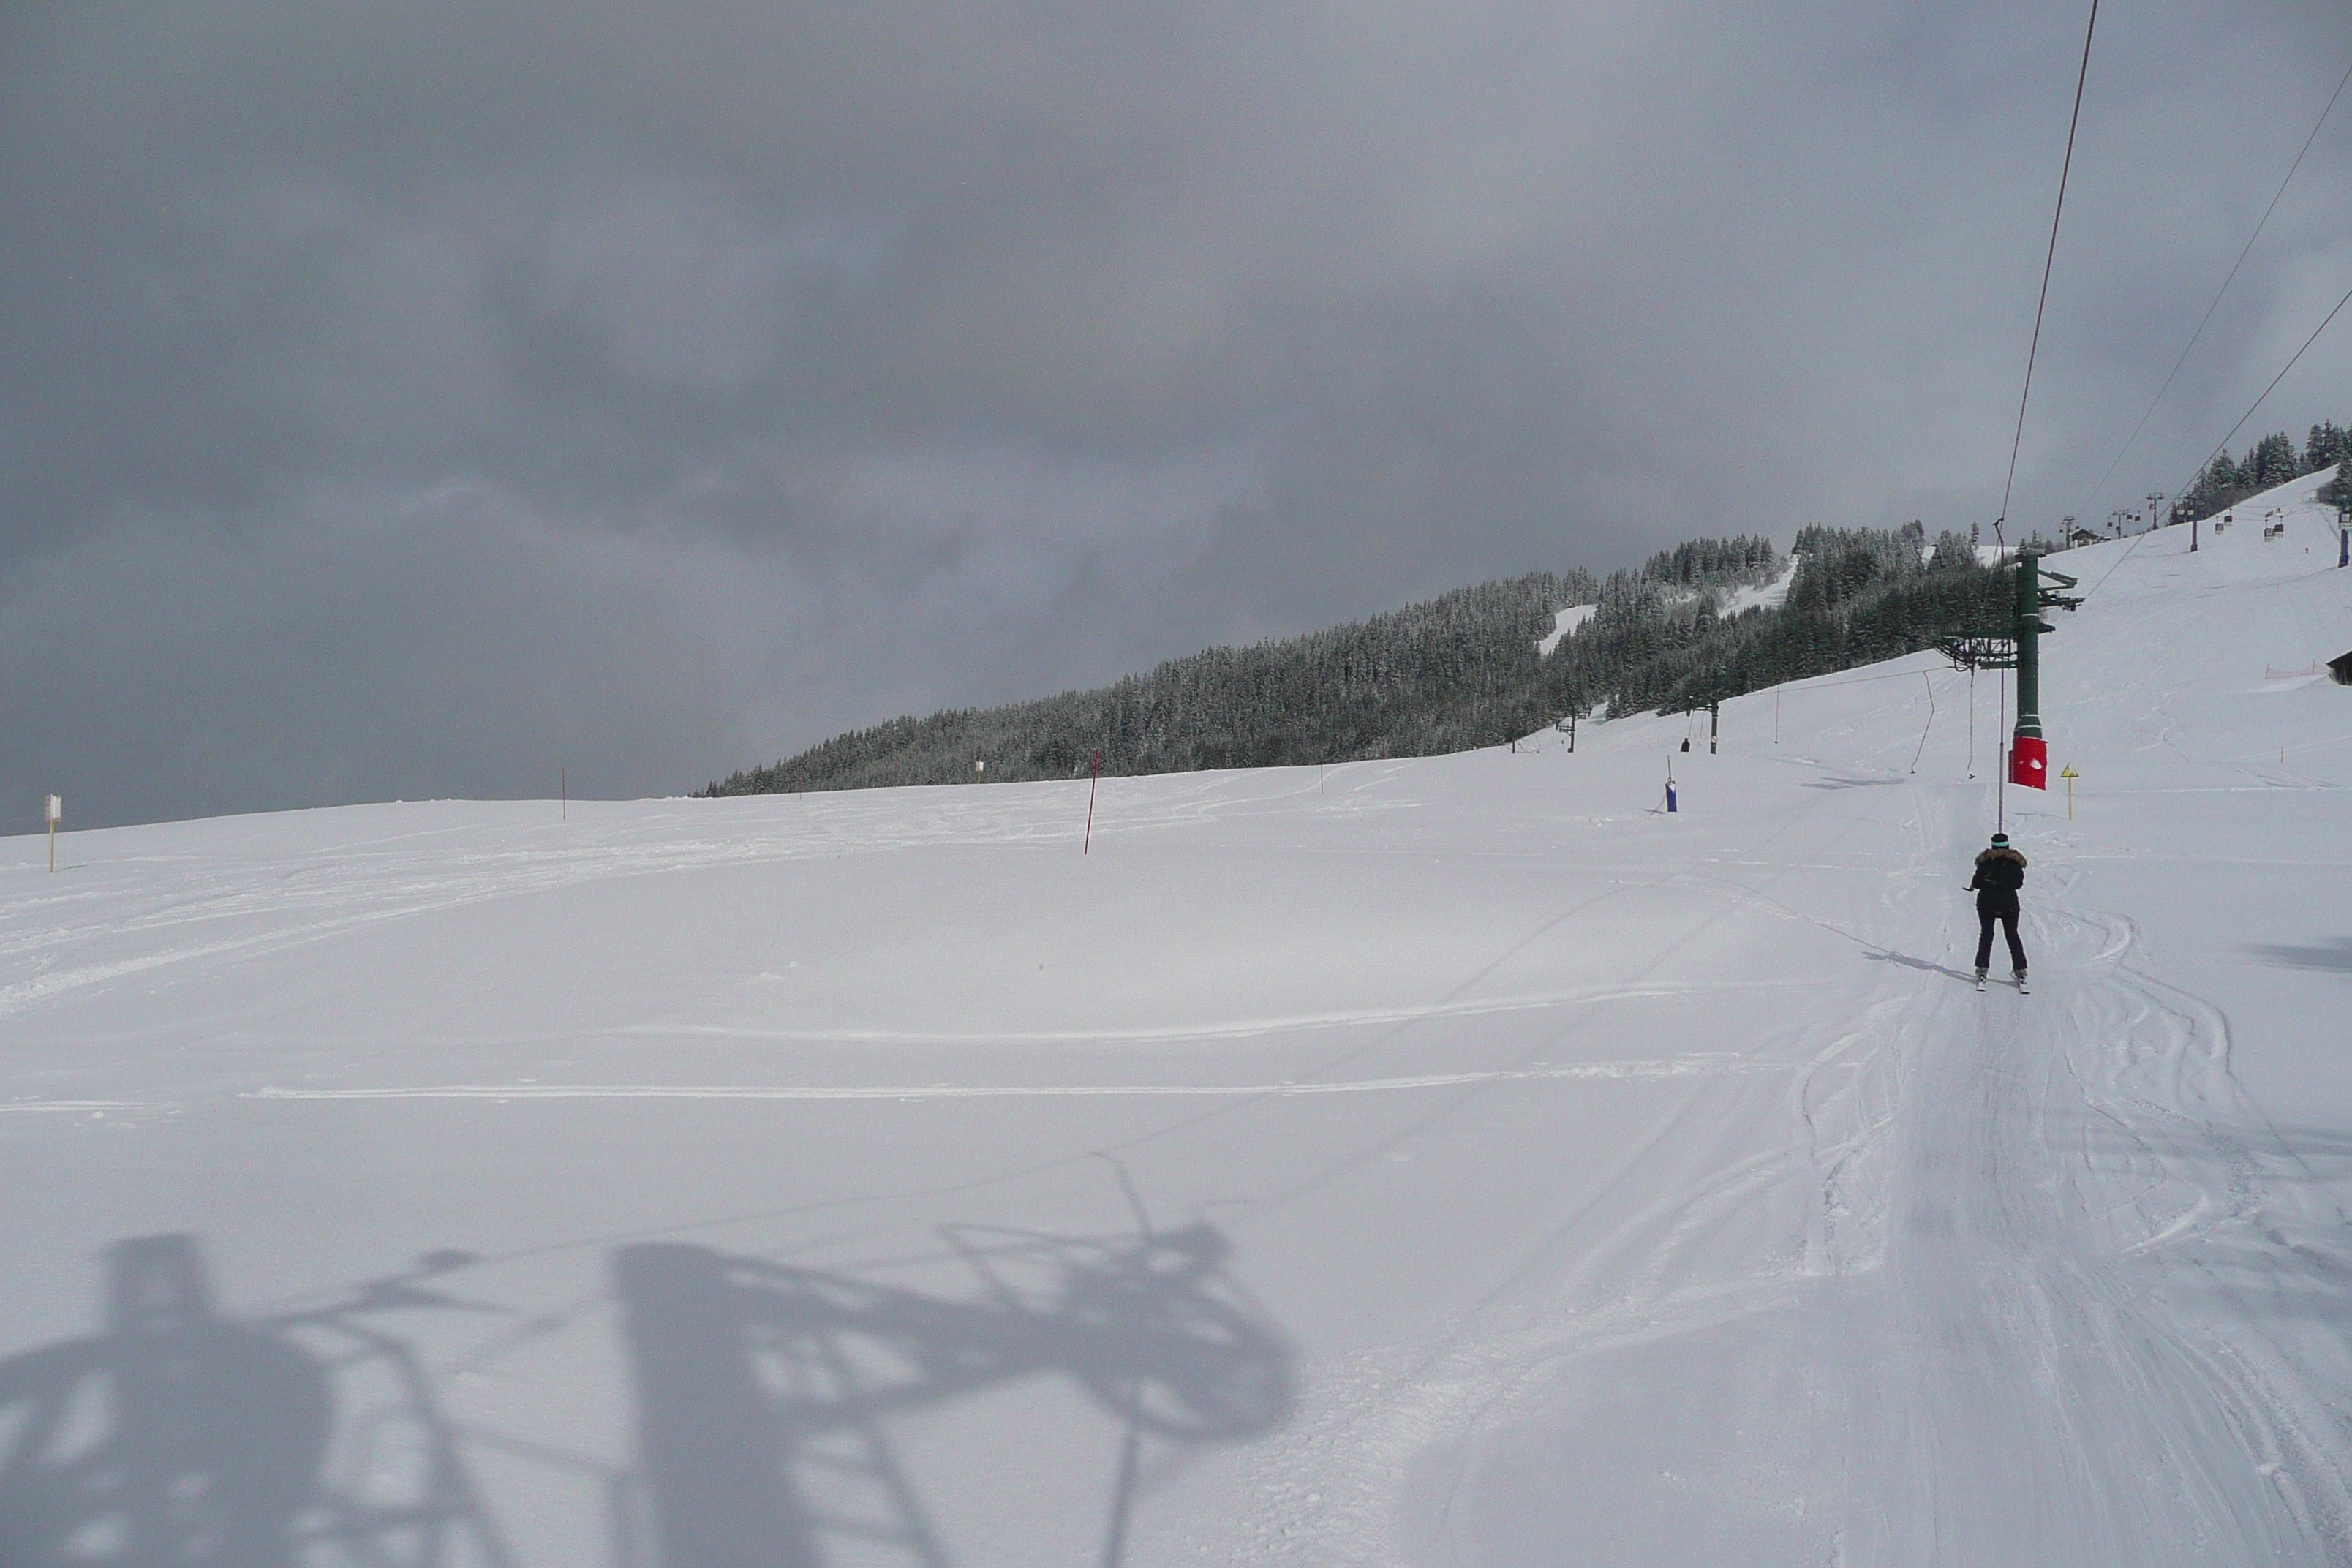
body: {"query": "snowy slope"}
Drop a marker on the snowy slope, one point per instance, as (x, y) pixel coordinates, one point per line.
(1459, 1162)
(1763, 595)
(1564, 622)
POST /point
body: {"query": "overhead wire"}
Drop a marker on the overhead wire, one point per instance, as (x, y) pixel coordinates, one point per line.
(2267, 390)
(2049, 263)
(2243, 251)
(2033, 353)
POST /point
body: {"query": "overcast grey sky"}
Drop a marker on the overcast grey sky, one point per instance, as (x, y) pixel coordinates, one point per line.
(405, 399)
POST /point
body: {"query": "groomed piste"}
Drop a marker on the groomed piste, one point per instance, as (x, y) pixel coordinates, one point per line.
(1457, 1161)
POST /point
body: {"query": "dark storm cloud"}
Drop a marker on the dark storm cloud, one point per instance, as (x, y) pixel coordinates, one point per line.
(398, 399)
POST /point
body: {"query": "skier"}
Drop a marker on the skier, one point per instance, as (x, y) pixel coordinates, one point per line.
(2000, 872)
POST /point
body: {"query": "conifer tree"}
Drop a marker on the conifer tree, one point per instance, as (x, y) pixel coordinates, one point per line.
(2272, 462)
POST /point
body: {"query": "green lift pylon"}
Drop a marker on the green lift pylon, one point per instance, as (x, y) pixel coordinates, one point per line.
(2028, 751)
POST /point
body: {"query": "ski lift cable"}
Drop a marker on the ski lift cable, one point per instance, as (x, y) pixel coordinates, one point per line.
(2049, 262)
(2246, 251)
(2267, 390)
(2110, 571)
(2252, 409)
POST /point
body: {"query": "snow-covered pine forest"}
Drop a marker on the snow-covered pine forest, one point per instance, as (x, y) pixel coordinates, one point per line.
(1707, 619)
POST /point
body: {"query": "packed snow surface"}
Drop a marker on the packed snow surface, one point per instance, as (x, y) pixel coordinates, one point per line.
(1456, 1161)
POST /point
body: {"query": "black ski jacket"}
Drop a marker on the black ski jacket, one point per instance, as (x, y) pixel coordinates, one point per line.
(2000, 873)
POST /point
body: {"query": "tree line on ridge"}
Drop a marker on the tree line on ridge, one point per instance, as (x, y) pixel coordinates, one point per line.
(1459, 671)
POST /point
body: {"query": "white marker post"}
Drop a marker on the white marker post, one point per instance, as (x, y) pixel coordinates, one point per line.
(977, 769)
(55, 809)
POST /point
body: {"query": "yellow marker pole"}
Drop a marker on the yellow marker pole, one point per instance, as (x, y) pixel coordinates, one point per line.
(2070, 775)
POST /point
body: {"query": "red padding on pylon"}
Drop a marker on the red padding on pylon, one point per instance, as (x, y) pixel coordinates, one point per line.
(2028, 761)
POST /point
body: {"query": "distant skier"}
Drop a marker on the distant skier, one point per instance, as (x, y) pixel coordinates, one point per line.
(2000, 872)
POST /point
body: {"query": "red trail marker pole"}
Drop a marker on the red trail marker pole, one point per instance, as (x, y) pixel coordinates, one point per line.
(1088, 846)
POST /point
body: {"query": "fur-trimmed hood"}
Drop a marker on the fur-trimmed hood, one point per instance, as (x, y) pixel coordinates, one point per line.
(2000, 873)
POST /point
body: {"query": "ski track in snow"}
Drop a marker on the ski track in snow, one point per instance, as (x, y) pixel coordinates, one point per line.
(2011, 1252)
(1682, 1068)
(2044, 1169)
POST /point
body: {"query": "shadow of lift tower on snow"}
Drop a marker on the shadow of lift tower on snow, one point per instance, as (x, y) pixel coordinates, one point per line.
(178, 1437)
(764, 1390)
